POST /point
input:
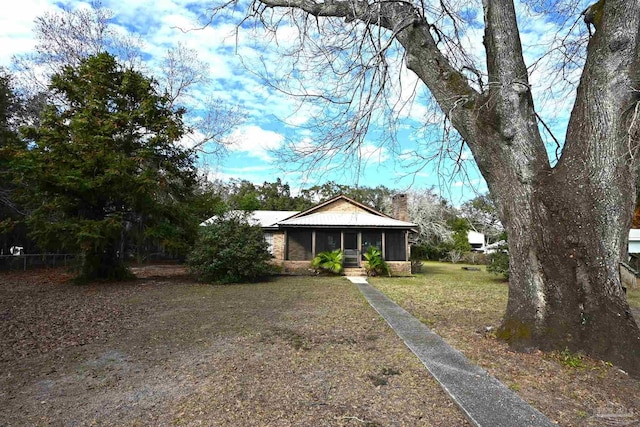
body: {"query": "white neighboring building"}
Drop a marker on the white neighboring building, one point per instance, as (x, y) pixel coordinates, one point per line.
(496, 247)
(476, 240)
(634, 241)
(16, 250)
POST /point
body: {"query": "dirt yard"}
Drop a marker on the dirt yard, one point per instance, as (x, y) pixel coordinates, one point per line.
(164, 350)
(465, 308)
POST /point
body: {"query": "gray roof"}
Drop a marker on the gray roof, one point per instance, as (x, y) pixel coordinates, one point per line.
(264, 219)
(270, 218)
(273, 219)
(345, 219)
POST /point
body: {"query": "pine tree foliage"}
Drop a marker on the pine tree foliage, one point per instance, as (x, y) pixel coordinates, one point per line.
(104, 164)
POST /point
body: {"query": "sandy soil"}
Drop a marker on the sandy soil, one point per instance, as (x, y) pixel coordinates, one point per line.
(165, 350)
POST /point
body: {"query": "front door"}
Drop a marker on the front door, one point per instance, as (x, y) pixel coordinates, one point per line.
(350, 248)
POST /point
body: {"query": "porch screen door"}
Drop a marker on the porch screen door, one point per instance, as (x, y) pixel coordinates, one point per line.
(351, 255)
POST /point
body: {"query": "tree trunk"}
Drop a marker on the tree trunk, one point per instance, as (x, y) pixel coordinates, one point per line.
(567, 224)
(104, 262)
(564, 288)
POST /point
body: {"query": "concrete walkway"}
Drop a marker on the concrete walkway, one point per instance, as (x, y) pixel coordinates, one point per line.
(484, 400)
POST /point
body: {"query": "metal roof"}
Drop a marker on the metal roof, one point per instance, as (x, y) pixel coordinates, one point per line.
(475, 238)
(264, 219)
(634, 234)
(270, 218)
(345, 219)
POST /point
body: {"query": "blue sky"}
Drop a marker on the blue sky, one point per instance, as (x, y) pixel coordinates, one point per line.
(273, 118)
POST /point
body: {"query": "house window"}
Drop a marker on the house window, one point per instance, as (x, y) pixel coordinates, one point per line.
(299, 245)
(396, 249)
(371, 238)
(268, 237)
(327, 241)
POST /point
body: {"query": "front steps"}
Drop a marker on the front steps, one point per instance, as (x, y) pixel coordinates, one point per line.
(354, 271)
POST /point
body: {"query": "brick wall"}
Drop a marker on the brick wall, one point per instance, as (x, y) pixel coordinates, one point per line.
(297, 251)
(400, 268)
(297, 267)
(278, 245)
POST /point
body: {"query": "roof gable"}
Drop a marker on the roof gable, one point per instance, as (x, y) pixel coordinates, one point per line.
(340, 204)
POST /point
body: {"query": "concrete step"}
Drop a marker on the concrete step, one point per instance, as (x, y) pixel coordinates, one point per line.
(351, 271)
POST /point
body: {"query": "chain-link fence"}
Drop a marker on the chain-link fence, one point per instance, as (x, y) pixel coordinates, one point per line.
(24, 262)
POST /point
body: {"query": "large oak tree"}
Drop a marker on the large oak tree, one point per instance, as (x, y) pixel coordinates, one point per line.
(567, 221)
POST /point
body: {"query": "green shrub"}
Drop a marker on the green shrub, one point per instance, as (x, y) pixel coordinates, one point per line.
(498, 263)
(432, 252)
(416, 266)
(461, 242)
(230, 250)
(374, 264)
(569, 359)
(476, 258)
(455, 256)
(328, 261)
(418, 253)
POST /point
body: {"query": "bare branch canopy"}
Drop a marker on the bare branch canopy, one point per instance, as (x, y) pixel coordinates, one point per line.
(567, 222)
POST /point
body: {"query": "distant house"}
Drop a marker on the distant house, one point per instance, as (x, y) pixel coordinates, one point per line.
(476, 240)
(338, 223)
(634, 241)
(499, 246)
(630, 270)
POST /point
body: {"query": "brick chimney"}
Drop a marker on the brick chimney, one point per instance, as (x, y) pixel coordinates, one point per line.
(400, 207)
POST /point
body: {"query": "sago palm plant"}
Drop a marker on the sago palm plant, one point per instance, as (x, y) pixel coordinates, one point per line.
(375, 265)
(329, 261)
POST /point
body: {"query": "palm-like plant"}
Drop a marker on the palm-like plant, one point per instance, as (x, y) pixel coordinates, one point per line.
(375, 265)
(330, 261)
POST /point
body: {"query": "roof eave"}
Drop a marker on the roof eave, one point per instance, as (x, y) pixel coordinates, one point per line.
(395, 227)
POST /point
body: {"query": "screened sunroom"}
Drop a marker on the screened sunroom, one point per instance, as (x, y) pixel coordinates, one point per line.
(304, 244)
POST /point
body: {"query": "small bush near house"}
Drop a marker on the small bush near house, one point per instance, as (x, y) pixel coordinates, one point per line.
(329, 261)
(230, 250)
(498, 263)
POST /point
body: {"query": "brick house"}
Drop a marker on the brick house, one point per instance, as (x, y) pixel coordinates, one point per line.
(338, 223)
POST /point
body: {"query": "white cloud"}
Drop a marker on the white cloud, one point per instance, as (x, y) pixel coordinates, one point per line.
(16, 24)
(370, 153)
(256, 175)
(255, 142)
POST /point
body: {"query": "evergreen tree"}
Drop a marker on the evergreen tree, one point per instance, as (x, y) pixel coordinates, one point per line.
(105, 163)
(10, 148)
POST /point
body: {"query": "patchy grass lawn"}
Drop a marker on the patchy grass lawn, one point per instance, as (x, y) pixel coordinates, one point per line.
(569, 388)
(165, 350)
